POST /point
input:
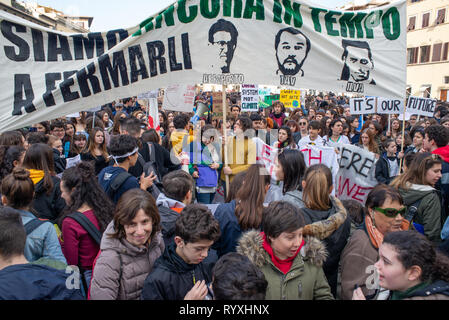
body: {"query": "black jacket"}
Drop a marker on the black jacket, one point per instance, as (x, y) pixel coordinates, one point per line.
(99, 162)
(60, 163)
(48, 205)
(335, 243)
(171, 277)
(163, 163)
(383, 170)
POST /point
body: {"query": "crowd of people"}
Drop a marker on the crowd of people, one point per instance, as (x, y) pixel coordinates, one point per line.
(122, 211)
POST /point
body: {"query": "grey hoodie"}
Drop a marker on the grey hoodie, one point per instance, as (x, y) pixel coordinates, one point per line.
(295, 198)
(121, 268)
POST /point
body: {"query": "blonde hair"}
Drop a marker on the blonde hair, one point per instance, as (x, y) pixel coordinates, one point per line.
(318, 179)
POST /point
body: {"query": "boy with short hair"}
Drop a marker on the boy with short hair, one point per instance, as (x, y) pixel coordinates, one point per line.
(20, 280)
(180, 272)
(313, 138)
(387, 167)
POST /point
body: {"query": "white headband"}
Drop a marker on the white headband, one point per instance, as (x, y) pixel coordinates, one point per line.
(125, 155)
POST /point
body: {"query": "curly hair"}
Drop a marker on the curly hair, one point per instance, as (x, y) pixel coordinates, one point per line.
(197, 223)
(84, 188)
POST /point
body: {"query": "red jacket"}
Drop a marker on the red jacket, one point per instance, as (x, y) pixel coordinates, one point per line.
(78, 247)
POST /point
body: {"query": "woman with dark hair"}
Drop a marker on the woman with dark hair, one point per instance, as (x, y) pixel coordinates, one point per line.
(290, 168)
(368, 142)
(43, 126)
(243, 213)
(335, 136)
(285, 139)
(116, 127)
(12, 138)
(384, 213)
(376, 129)
(83, 194)
(47, 202)
(68, 138)
(130, 245)
(290, 262)
(107, 122)
(96, 151)
(42, 243)
(80, 122)
(78, 145)
(294, 127)
(325, 217)
(417, 187)
(278, 114)
(10, 157)
(396, 129)
(353, 123)
(163, 123)
(411, 268)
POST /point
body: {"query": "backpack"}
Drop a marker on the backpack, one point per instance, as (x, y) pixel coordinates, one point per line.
(117, 182)
(86, 275)
(33, 224)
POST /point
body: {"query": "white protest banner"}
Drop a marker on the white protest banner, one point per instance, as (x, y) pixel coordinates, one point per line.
(355, 177)
(46, 73)
(179, 98)
(324, 155)
(153, 114)
(364, 105)
(421, 106)
(71, 162)
(390, 106)
(250, 97)
(73, 115)
(266, 155)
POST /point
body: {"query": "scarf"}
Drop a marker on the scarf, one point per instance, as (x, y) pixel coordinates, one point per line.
(36, 175)
(283, 265)
(375, 235)
(282, 145)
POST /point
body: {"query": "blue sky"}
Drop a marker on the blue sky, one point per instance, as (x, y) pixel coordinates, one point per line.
(112, 14)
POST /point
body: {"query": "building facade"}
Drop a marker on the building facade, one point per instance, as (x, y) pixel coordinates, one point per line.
(427, 48)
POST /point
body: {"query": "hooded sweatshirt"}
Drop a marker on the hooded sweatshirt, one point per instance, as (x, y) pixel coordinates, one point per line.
(429, 210)
(172, 278)
(169, 210)
(122, 267)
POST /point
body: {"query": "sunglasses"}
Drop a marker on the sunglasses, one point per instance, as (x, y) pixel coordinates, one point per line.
(390, 212)
(302, 123)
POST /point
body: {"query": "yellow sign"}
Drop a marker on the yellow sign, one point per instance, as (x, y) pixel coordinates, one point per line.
(291, 98)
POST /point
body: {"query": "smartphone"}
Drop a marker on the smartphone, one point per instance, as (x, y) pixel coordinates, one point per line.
(32, 129)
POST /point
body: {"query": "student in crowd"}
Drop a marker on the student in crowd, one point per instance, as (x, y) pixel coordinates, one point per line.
(182, 266)
(80, 122)
(335, 136)
(417, 188)
(79, 144)
(47, 201)
(176, 194)
(354, 135)
(107, 122)
(43, 126)
(20, 280)
(278, 114)
(290, 168)
(295, 129)
(368, 142)
(387, 167)
(376, 129)
(313, 138)
(281, 252)
(58, 157)
(241, 150)
(130, 246)
(325, 217)
(285, 139)
(57, 129)
(205, 164)
(235, 186)
(10, 157)
(417, 135)
(396, 129)
(42, 242)
(243, 213)
(235, 277)
(115, 180)
(68, 138)
(83, 194)
(12, 138)
(411, 268)
(303, 129)
(117, 118)
(96, 150)
(384, 213)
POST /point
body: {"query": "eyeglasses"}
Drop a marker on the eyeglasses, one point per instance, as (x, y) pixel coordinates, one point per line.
(390, 212)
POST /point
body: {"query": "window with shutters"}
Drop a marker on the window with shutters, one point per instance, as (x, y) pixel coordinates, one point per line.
(411, 23)
(440, 16)
(425, 19)
(425, 54)
(412, 55)
(436, 55)
(445, 49)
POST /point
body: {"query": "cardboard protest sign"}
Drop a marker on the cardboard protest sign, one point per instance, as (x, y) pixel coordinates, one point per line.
(355, 177)
(47, 73)
(291, 98)
(363, 105)
(179, 98)
(250, 97)
(390, 106)
(421, 106)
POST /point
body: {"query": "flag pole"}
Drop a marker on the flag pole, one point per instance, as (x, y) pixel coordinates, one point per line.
(225, 108)
(403, 135)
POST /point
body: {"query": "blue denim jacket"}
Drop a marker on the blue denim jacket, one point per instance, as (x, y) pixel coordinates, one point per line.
(42, 242)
